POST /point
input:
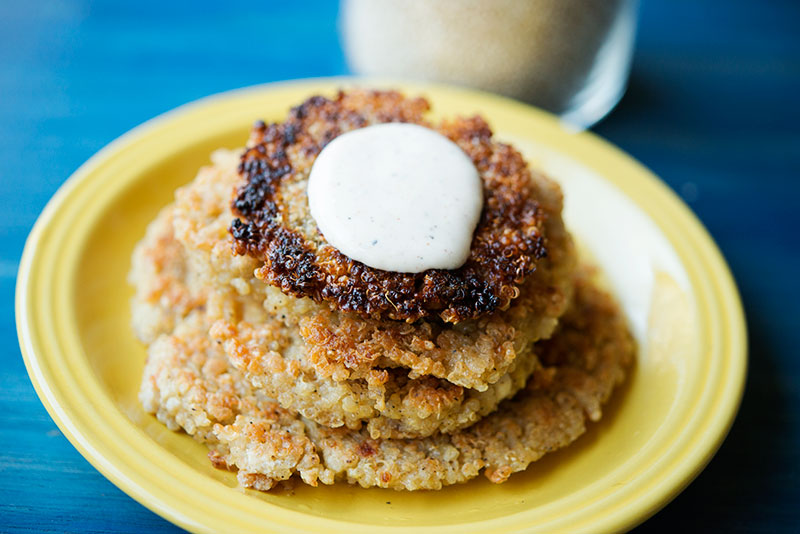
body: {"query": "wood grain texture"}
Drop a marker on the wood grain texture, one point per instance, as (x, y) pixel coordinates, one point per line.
(712, 108)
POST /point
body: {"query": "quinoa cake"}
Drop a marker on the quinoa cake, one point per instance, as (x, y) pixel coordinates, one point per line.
(274, 224)
(273, 356)
(286, 357)
(190, 384)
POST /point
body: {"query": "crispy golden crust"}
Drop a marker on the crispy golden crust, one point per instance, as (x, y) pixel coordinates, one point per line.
(475, 353)
(386, 403)
(275, 358)
(164, 292)
(276, 228)
(189, 383)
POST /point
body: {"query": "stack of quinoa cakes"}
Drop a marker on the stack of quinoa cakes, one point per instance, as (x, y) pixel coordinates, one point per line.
(288, 358)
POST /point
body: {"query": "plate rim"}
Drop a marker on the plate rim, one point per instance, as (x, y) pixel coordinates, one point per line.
(724, 289)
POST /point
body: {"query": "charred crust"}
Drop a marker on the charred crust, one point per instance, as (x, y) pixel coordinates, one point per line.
(507, 243)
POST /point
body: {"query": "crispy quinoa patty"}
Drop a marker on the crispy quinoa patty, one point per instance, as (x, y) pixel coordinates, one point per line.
(276, 228)
(274, 357)
(473, 353)
(189, 383)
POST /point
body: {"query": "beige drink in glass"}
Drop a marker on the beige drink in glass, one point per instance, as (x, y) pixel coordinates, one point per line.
(570, 57)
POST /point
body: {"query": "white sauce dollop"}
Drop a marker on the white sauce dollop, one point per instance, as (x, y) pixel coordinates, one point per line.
(398, 197)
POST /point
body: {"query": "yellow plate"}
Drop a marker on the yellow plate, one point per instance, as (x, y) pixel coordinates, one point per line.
(658, 433)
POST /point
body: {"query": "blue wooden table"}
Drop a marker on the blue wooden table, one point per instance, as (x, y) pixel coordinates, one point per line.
(712, 108)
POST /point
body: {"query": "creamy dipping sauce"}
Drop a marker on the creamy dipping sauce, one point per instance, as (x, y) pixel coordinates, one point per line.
(398, 197)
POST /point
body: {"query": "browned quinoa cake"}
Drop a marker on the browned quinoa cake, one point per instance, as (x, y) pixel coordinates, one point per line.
(275, 227)
(287, 357)
(189, 383)
(273, 356)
